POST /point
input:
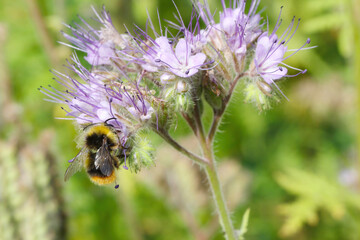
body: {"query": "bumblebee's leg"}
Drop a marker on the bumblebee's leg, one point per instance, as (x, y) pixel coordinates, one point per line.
(116, 162)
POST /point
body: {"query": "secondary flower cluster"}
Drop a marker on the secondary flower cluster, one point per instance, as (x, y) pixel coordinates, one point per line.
(139, 78)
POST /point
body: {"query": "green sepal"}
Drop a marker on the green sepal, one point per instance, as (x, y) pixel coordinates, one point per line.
(214, 100)
(214, 91)
(184, 102)
(142, 153)
(258, 93)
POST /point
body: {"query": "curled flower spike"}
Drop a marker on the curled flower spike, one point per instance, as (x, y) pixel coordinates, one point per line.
(101, 44)
(91, 101)
(239, 26)
(238, 29)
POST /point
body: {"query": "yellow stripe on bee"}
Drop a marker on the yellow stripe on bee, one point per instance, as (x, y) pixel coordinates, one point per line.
(103, 130)
(103, 180)
(88, 162)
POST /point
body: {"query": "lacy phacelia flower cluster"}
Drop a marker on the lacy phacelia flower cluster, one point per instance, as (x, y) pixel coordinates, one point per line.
(139, 79)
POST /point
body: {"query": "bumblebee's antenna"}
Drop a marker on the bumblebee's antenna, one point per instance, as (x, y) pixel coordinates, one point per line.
(92, 124)
(109, 120)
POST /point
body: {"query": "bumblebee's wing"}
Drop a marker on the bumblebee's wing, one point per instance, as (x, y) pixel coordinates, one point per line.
(76, 164)
(104, 160)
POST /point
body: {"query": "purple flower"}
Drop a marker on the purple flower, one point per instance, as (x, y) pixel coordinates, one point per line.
(151, 57)
(239, 26)
(100, 53)
(236, 28)
(180, 61)
(100, 45)
(270, 55)
(170, 61)
(169, 57)
(91, 101)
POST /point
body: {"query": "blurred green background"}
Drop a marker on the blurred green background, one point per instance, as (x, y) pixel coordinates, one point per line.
(295, 166)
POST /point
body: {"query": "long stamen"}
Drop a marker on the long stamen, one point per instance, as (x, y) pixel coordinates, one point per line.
(307, 42)
(278, 22)
(288, 30)
(297, 26)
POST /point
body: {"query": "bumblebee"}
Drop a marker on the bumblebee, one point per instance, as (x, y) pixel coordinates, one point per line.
(101, 154)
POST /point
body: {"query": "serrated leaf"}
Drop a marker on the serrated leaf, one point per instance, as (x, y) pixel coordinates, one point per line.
(313, 193)
(298, 213)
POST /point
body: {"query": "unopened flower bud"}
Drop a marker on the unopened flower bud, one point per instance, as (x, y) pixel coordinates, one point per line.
(214, 92)
(184, 102)
(181, 87)
(214, 100)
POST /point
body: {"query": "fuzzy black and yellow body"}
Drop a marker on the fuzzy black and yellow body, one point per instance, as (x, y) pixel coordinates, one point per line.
(99, 154)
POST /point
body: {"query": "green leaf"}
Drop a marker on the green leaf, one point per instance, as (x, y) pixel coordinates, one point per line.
(313, 193)
(244, 224)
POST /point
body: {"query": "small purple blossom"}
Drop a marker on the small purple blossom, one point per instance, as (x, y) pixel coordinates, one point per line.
(180, 61)
(236, 28)
(170, 60)
(270, 54)
(100, 44)
(239, 26)
(100, 53)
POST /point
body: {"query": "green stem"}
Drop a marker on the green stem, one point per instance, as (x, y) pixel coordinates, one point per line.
(165, 135)
(211, 170)
(214, 127)
(223, 212)
(199, 126)
(207, 150)
(219, 113)
(190, 122)
(212, 175)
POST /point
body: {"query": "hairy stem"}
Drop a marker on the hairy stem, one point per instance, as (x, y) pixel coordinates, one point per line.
(189, 121)
(213, 128)
(207, 149)
(165, 135)
(219, 113)
(211, 169)
(199, 126)
(212, 176)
